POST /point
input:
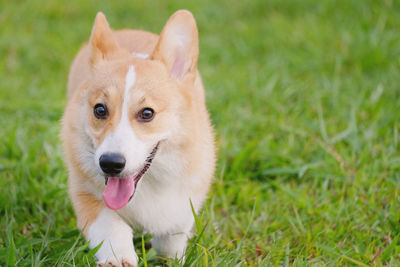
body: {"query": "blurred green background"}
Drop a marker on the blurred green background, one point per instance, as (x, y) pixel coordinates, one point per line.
(304, 96)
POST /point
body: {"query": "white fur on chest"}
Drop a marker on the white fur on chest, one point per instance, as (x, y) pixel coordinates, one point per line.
(161, 204)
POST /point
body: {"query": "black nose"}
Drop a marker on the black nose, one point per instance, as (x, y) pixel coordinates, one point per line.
(112, 163)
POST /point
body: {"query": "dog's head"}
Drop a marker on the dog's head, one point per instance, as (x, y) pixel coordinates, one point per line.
(131, 105)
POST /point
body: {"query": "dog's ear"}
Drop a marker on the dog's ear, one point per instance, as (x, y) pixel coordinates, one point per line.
(178, 46)
(102, 43)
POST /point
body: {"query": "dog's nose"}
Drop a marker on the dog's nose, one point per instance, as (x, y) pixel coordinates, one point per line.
(112, 163)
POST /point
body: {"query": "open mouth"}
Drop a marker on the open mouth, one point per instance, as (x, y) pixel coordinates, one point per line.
(119, 190)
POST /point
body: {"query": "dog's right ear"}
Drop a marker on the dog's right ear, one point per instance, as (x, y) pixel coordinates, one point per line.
(102, 43)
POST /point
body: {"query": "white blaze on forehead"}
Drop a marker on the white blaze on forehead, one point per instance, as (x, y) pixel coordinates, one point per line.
(140, 55)
(130, 80)
(123, 139)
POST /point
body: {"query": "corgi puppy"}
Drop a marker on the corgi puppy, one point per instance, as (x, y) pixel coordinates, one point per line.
(137, 137)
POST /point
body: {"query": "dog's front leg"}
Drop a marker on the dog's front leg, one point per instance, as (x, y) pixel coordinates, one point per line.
(117, 247)
(170, 245)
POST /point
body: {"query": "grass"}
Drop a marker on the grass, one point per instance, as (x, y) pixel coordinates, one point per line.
(305, 99)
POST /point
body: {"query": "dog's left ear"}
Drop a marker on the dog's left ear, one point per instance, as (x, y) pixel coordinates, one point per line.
(178, 45)
(102, 43)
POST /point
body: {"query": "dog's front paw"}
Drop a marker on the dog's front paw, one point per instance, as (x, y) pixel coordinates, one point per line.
(118, 257)
(115, 263)
(121, 259)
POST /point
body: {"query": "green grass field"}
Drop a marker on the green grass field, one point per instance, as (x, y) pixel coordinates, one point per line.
(305, 99)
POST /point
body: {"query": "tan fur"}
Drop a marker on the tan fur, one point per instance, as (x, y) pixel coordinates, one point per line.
(130, 40)
(90, 206)
(98, 75)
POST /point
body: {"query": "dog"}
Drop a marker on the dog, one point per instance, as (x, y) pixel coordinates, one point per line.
(137, 138)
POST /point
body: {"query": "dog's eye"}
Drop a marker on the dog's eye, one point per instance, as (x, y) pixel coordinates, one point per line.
(100, 111)
(146, 114)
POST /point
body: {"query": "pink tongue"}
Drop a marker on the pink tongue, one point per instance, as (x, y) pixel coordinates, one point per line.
(118, 192)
